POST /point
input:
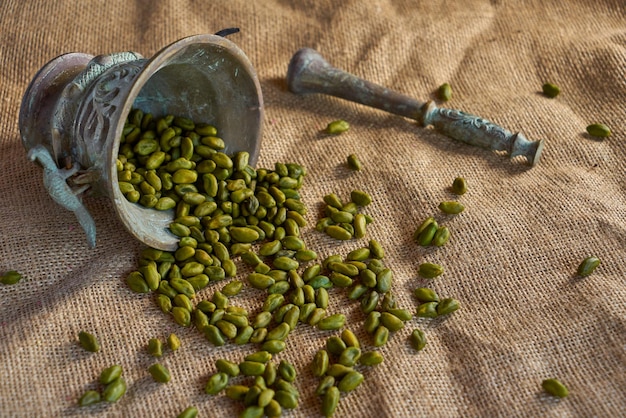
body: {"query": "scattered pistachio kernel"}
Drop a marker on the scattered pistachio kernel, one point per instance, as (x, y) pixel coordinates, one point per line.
(417, 339)
(424, 294)
(447, 306)
(110, 374)
(159, 373)
(371, 358)
(599, 130)
(555, 388)
(332, 322)
(155, 347)
(354, 163)
(173, 342)
(10, 277)
(451, 207)
(90, 397)
(330, 401)
(430, 270)
(588, 266)
(444, 92)
(88, 341)
(459, 186)
(190, 412)
(337, 127)
(441, 236)
(424, 236)
(550, 90)
(216, 383)
(114, 390)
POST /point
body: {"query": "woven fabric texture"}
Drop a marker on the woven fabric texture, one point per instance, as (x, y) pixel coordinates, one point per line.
(511, 262)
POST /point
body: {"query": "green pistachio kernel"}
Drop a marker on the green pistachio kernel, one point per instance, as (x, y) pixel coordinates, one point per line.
(88, 341)
(110, 374)
(251, 368)
(286, 399)
(173, 342)
(190, 412)
(350, 338)
(216, 383)
(90, 397)
(588, 266)
(350, 356)
(599, 130)
(451, 207)
(447, 306)
(335, 345)
(287, 371)
(236, 392)
(159, 373)
(424, 294)
(372, 322)
(244, 335)
(430, 270)
(384, 280)
(344, 268)
(444, 92)
(550, 90)
(137, 283)
(427, 310)
(233, 288)
(417, 339)
(555, 388)
(423, 226)
(337, 127)
(155, 347)
(402, 314)
(259, 357)
(381, 335)
(350, 381)
(441, 236)
(360, 197)
(337, 232)
(332, 322)
(181, 316)
(114, 390)
(285, 263)
(426, 236)
(273, 346)
(376, 249)
(320, 363)
(354, 163)
(459, 186)
(391, 322)
(330, 401)
(244, 234)
(371, 358)
(279, 332)
(370, 301)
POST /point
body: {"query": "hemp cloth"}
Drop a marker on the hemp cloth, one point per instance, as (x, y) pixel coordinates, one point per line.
(511, 262)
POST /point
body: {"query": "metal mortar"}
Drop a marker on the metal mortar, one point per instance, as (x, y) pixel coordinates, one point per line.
(74, 110)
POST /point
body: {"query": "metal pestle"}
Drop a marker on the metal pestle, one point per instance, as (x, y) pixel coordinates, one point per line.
(309, 72)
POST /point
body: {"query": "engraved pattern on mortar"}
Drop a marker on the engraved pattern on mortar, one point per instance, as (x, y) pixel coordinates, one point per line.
(93, 119)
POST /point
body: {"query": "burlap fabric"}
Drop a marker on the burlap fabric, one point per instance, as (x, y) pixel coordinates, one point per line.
(511, 262)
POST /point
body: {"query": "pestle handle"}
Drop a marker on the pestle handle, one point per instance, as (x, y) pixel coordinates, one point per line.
(308, 72)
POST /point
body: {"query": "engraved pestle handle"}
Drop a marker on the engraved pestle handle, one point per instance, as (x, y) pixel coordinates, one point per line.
(309, 72)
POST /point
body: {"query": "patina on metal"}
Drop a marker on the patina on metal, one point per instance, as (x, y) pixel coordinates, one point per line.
(309, 72)
(74, 110)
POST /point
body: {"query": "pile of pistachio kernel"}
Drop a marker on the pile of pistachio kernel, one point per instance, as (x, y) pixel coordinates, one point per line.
(224, 210)
(343, 220)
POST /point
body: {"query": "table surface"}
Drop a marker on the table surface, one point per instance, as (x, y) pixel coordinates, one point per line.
(511, 262)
